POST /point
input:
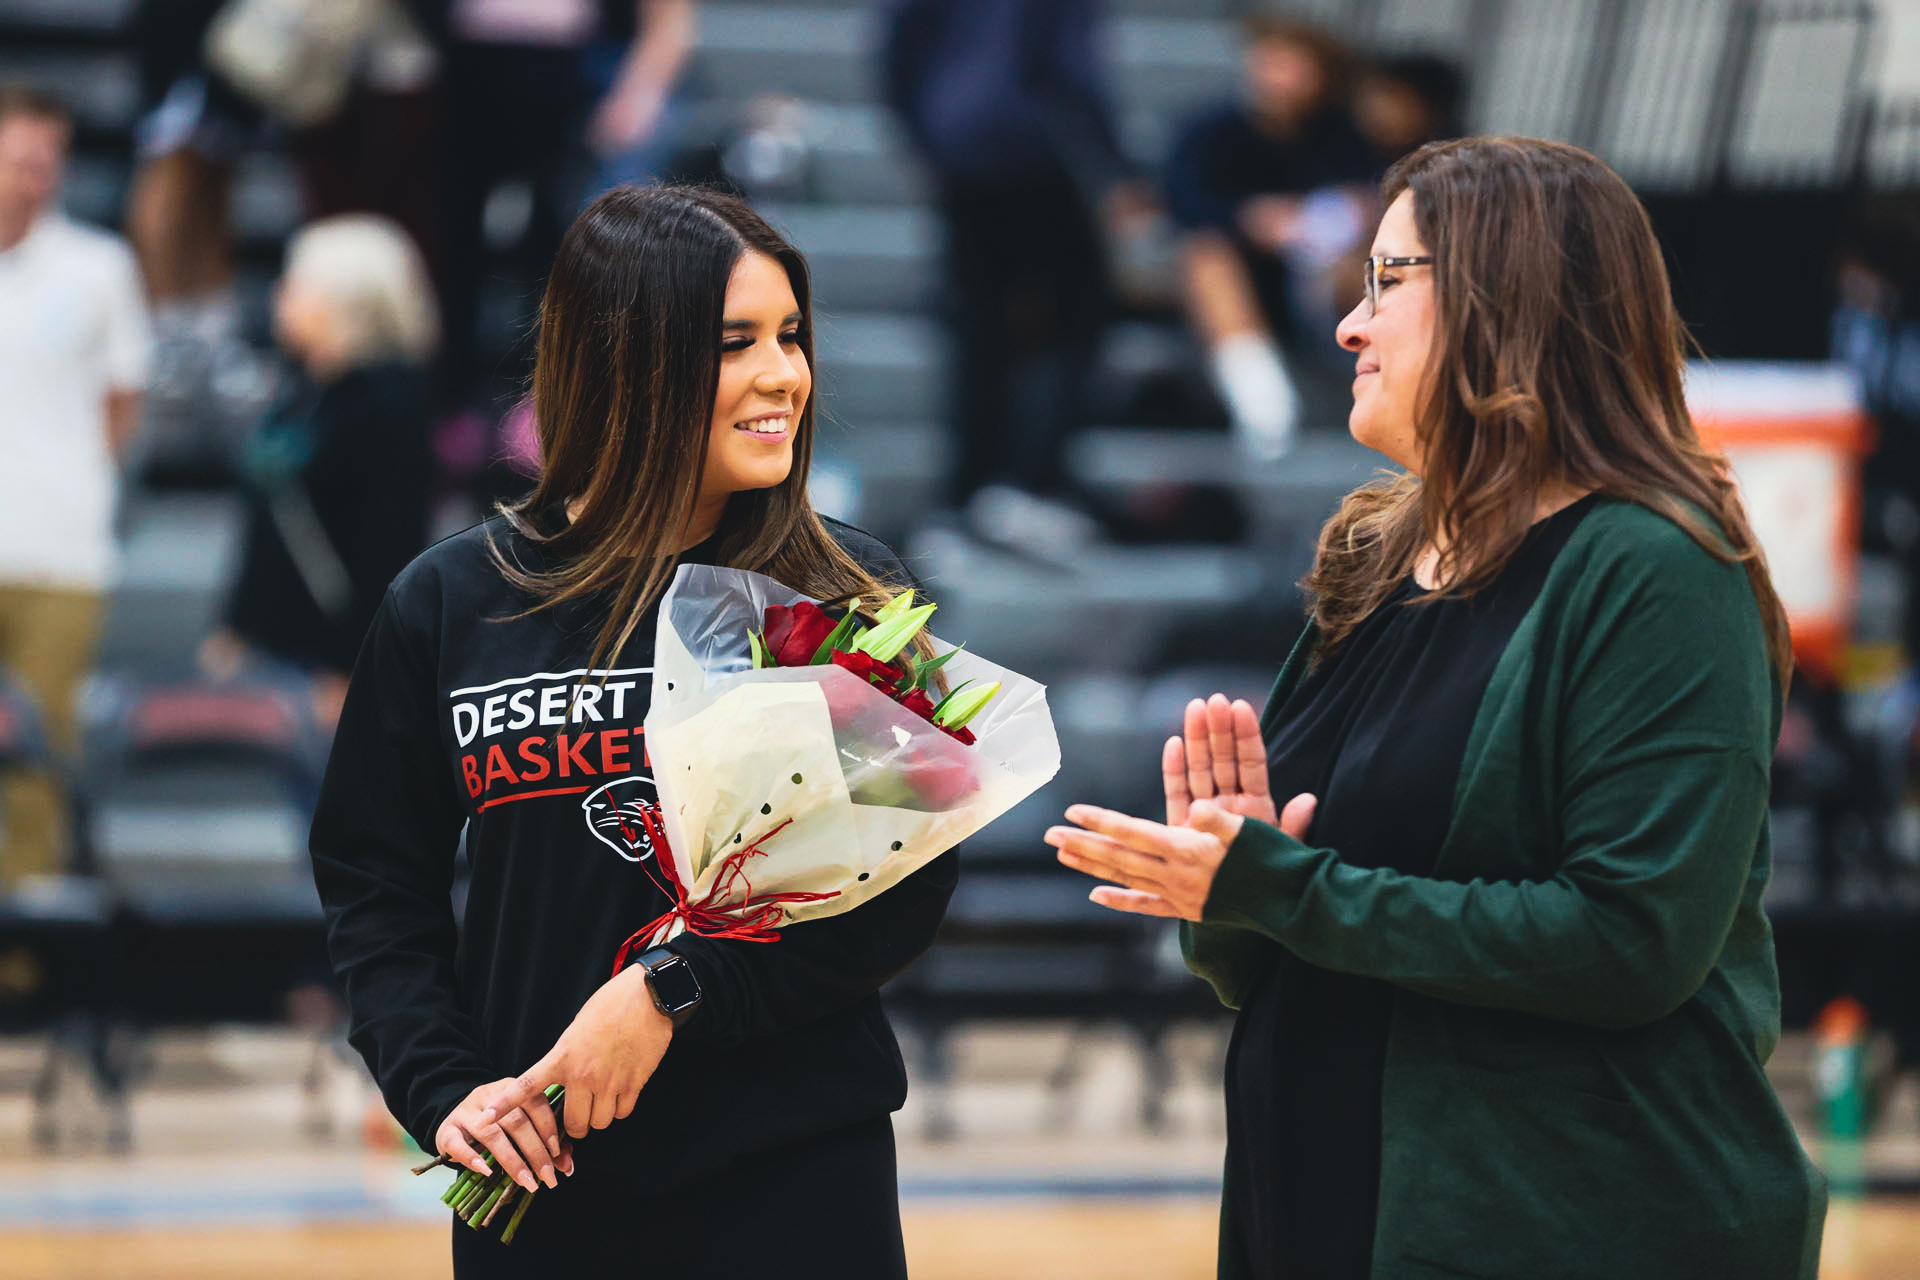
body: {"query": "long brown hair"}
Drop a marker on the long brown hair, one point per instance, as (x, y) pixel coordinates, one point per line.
(625, 377)
(1558, 359)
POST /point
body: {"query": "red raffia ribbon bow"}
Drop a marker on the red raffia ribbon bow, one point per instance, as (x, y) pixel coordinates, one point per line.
(750, 919)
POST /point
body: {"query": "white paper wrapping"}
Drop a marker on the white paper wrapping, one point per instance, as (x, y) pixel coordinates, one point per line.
(870, 791)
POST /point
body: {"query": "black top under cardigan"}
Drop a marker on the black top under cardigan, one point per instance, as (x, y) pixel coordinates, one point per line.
(1377, 733)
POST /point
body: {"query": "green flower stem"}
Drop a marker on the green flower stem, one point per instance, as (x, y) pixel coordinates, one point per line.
(513, 1223)
(474, 1194)
(486, 1206)
(513, 1190)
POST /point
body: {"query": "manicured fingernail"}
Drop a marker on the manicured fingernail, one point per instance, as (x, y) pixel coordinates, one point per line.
(526, 1180)
(480, 1166)
(546, 1176)
(553, 1147)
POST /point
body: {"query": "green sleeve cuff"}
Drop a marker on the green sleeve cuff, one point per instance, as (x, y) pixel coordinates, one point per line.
(1258, 880)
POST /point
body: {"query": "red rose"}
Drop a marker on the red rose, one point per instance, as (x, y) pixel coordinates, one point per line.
(939, 780)
(794, 635)
(962, 735)
(884, 674)
(917, 701)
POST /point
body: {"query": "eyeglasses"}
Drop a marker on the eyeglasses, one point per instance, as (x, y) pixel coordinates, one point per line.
(1376, 265)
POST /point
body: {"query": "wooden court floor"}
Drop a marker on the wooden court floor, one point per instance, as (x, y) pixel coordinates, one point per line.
(993, 1240)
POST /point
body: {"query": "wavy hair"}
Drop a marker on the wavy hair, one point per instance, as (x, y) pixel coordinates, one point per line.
(1558, 358)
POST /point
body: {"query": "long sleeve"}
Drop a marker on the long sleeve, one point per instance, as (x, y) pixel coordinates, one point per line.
(383, 843)
(1194, 197)
(817, 967)
(1662, 754)
(375, 517)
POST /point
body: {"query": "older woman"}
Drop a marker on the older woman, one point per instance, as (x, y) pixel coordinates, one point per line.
(1504, 985)
(339, 476)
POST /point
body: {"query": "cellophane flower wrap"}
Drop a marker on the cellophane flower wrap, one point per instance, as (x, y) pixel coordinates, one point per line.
(792, 793)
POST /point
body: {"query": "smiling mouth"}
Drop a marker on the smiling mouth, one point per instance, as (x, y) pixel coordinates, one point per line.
(773, 426)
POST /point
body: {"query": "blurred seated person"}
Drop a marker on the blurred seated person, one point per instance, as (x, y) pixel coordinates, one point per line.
(339, 476)
(1272, 193)
(1402, 103)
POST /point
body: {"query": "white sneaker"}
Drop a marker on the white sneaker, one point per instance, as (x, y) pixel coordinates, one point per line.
(1260, 396)
(1042, 528)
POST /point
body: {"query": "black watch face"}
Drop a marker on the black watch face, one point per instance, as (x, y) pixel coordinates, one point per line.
(674, 984)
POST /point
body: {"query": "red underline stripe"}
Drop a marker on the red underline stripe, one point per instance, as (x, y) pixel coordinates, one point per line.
(534, 795)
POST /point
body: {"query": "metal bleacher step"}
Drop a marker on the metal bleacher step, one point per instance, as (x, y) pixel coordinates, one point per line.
(805, 51)
(858, 155)
(1103, 608)
(889, 474)
(1166, 55)
(1170, 65)
(864, 258)
(1286, 500)
(95, 15)
(885, 477)
(175, 561)
(879, 367)
(99, 84)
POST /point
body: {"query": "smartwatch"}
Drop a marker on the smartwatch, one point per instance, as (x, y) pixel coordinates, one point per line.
(676, 992)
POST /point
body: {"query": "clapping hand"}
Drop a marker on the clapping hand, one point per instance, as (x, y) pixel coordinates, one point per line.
(1215, 777)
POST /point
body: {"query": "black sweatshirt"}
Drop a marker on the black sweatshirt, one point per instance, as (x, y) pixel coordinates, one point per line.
(459, 713)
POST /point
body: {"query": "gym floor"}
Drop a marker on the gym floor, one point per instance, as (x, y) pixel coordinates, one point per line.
(1048, 1174)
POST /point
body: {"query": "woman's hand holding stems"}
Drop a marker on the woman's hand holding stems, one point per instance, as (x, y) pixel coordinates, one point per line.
(1215, 778)
(603, 1059)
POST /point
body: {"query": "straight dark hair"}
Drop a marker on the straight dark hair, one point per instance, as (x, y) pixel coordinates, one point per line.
(1558, 358)
(625, 377)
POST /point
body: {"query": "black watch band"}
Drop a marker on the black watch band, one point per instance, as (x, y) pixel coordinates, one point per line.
(676, 992)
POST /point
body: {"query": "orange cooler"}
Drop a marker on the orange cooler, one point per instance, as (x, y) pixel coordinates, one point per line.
(1795, 435)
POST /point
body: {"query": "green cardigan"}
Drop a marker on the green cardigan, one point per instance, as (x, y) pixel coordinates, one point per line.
(1586, 984)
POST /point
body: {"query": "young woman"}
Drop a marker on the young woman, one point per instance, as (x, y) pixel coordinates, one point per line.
(715, 1084)
(1505, 987)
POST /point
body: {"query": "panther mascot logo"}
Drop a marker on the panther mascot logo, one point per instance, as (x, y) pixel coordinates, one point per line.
(613, 815)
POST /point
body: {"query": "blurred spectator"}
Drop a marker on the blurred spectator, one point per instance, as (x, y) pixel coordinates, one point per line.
(352, 87)
(339, 476)
(1274, 191)
(1005, 102)
(74, 347)
(1402, 103)
(1876, 333)
(520, 80)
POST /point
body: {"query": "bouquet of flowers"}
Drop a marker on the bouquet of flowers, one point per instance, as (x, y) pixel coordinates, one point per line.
(805, 763)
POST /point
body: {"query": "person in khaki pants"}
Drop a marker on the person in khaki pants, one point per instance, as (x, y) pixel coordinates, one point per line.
(74, 347)
(47, 637)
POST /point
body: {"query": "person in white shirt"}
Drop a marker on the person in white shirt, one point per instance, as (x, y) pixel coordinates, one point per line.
(74, 347)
